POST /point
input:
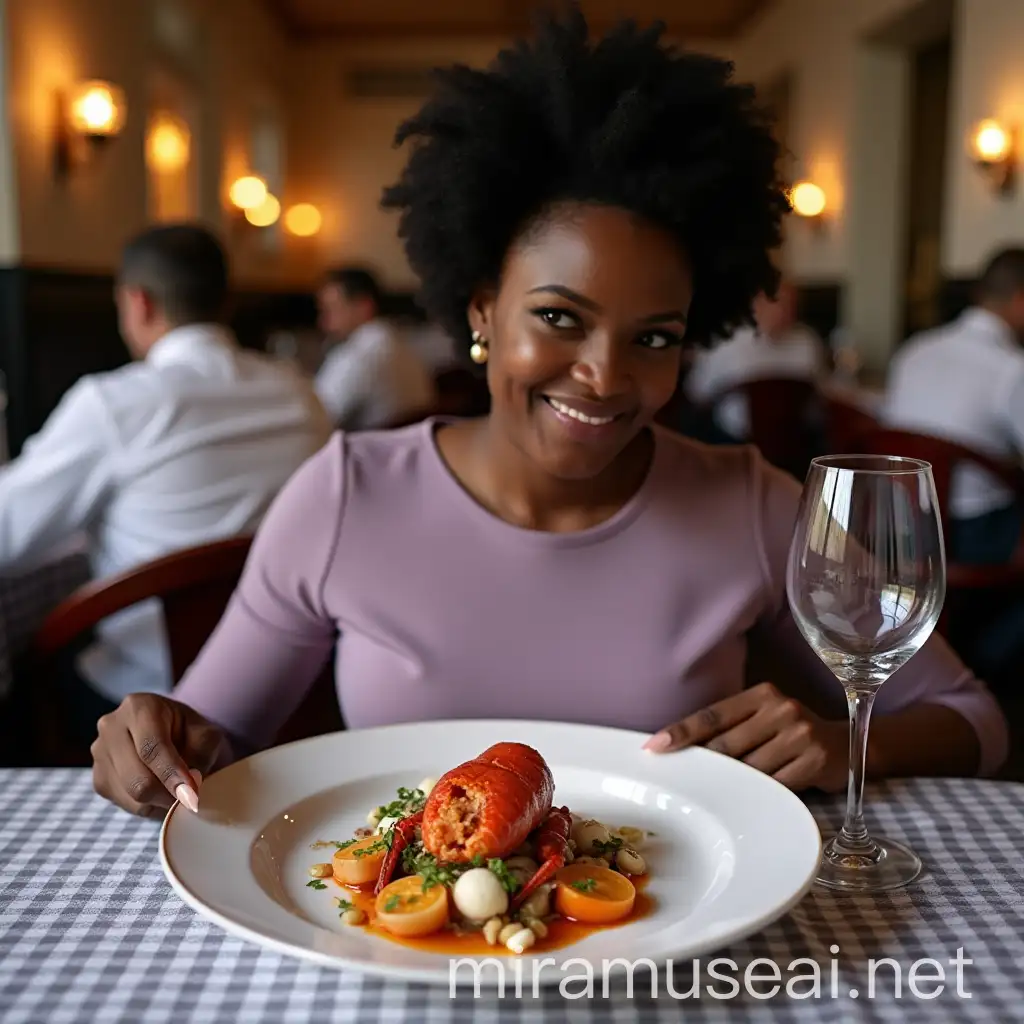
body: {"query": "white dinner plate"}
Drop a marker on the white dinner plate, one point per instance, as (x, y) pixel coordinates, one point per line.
(733, 850)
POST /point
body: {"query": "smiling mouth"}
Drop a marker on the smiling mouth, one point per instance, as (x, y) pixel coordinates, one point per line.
(581, 417)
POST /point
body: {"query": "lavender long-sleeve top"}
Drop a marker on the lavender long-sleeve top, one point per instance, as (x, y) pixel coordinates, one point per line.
(441, 610)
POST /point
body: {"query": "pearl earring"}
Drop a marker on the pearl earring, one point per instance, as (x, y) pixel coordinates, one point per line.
(478, 351)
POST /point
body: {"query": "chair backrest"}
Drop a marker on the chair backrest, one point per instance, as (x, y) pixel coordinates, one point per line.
(780, 411)
(193, 586)
(845, 424)
(944, 456)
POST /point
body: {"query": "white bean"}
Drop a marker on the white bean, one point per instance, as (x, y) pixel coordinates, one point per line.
(630, 862)
(374, 817)
(386, 823)
(426, 785)
(508, 931)
(492, 929)
(589, 832)
(353, 917)
(539, 903)
(632, 837)
(521, 941)
(539, 928)
(321, 871)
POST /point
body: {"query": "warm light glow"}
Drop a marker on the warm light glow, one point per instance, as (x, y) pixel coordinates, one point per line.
(303, 220)
(168, 144)
(265, 214)
(97, 108)
(249, 193)
(990, 142)
(808, 199)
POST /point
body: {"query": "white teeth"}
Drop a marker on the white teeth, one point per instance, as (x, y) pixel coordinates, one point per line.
(594, 421)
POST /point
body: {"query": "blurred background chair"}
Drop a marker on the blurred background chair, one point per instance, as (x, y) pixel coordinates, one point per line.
(194, 587)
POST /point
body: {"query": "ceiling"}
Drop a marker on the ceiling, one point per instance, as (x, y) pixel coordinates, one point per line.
(352, 19)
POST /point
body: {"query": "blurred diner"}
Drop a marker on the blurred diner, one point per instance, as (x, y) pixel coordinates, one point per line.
(189, 443)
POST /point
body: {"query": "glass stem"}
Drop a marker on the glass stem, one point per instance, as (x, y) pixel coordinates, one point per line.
(854, 835)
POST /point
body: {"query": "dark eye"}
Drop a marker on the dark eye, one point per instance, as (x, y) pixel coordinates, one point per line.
(560, 319)
(660, 339)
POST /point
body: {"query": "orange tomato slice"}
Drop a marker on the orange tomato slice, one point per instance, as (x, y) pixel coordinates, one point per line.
(403, 908)
(354, 866)
(593, 894)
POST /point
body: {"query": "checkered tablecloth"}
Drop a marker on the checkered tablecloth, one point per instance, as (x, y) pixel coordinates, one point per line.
(25, 601)
(91, 931)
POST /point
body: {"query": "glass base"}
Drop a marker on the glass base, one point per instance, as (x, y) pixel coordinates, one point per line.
(875, 866)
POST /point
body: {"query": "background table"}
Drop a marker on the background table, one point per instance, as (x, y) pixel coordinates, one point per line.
(25, 601)
(91, 931)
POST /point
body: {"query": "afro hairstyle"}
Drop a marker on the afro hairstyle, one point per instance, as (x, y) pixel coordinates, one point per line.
(625, 121)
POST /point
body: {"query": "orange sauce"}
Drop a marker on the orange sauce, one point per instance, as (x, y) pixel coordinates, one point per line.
(561, 931)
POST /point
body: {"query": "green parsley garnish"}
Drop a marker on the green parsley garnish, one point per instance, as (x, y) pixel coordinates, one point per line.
(609, 846)
(509, 882)
(343, 905)
(410, 801)
(392, 904)
(585, 884)
(315, 883)
(384, 843)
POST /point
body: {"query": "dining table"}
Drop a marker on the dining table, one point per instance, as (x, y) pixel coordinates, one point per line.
(91, 930)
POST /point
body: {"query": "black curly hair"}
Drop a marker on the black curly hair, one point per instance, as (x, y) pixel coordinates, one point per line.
(625, 121)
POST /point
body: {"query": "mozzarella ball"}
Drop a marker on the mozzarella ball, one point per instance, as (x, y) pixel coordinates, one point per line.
(478, 895)
(586, 833)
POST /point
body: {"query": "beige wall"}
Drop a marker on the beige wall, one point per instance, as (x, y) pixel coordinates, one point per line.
(988, 81)
(231, 52)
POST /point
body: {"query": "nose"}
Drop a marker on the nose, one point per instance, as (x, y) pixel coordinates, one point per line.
(601, 365)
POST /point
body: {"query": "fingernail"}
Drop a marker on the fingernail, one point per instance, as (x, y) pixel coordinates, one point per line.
(187, 796)
(658, 742)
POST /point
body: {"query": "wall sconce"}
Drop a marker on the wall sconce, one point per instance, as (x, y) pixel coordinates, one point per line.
(994, 150)
(808, 200)
(87, 117)
(168, 144)
(303, 220)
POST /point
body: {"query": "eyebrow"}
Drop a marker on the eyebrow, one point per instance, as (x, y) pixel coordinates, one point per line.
(582, 300)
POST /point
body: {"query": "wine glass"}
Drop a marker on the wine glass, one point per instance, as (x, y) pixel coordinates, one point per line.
(866, 580)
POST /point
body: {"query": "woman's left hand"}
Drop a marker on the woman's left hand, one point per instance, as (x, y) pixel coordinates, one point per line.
(770, 732)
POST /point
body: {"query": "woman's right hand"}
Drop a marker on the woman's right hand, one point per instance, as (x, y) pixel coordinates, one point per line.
(149, 748)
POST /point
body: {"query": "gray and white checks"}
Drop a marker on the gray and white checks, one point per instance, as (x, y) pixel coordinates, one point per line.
(91, 931)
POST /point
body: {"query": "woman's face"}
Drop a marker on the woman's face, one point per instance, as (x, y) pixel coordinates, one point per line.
(584, 336)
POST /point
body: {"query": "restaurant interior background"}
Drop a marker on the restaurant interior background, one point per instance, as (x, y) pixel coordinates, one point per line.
(306, 94)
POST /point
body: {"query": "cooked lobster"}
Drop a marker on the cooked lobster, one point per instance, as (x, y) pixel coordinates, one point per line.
(486, 808)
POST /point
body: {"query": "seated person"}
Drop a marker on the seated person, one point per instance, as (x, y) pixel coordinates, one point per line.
(778, 346)
(371, 378)
(187, 445)
(561, 558)
(964, 382)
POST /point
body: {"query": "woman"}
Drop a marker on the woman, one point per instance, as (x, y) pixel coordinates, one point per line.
(575, 213)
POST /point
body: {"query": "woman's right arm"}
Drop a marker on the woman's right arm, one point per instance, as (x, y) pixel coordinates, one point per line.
(256, 667)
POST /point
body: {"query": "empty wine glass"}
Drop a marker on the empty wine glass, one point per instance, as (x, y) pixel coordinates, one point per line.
(866, 581)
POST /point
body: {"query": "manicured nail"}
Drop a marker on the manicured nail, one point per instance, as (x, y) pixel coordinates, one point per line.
(658, 742)
(187, 796)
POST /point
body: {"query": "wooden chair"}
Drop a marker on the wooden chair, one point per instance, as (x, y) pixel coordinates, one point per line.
(194, 587)
(781, 416)
(845, 424)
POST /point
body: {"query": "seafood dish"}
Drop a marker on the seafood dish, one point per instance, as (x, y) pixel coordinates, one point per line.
(483, 857)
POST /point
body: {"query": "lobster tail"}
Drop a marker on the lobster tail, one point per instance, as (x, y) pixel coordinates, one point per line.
(488, 806)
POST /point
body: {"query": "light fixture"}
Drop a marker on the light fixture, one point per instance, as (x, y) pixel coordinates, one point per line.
(265, 214)
(807, 200)
(168, 143)
(88, 115)
(248, 192)
(994, 150)
(303, 220)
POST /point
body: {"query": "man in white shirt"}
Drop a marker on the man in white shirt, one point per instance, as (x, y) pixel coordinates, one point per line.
(371, 378)
(188, 444)
(779, 346)
(964, 382)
